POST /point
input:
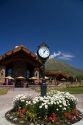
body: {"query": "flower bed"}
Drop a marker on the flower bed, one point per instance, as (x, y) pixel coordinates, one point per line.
(54, 109)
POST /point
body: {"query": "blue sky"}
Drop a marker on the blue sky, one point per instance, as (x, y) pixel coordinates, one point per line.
(57, 22)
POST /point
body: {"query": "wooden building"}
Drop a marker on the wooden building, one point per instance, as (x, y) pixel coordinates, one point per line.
(19, 61)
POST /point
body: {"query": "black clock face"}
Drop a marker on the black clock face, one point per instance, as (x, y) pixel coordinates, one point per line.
(44, 52)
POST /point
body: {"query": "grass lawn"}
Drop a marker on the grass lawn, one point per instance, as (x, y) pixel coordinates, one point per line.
(73, 90)
(3, 91)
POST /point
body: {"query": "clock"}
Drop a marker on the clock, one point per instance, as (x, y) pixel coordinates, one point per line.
(43, 52)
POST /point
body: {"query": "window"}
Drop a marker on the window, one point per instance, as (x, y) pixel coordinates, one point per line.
(27, 74)
(9, 72)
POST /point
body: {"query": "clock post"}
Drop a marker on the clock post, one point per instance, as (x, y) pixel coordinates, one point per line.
(43, 84)
(43, 53)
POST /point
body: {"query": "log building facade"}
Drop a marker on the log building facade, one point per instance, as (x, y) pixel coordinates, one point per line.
(19, 61)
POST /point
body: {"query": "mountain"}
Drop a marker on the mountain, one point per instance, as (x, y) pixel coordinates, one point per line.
(61, 66)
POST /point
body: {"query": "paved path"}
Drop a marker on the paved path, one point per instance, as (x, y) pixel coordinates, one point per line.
(80, 100)
(6, 102)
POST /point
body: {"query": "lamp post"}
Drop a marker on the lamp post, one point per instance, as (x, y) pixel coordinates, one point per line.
(43, 53)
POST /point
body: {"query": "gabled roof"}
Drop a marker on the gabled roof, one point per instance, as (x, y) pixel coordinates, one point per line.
(18, 49)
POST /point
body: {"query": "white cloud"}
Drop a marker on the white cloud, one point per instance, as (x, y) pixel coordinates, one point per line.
(55, 55)
(62, 55)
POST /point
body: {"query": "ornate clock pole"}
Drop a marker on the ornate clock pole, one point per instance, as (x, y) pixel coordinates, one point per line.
(43, 53)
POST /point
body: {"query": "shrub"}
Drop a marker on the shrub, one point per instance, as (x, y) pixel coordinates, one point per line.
(55, 106)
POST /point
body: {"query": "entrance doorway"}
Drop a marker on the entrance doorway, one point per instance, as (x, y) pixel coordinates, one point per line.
(19, 83)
